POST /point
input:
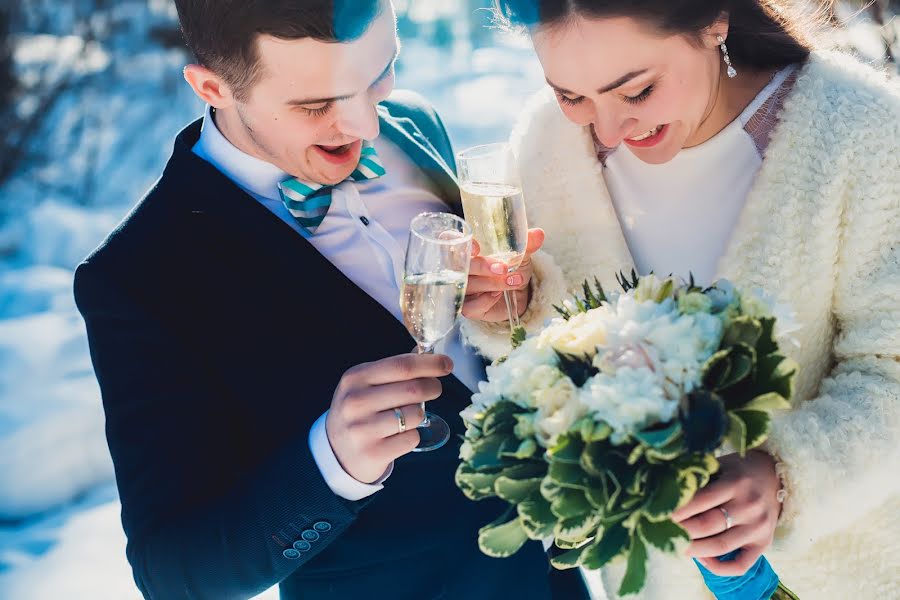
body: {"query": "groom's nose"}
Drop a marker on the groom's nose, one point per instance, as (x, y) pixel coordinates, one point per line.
(358, 119)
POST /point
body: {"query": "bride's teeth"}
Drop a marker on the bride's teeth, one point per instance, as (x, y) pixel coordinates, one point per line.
(646, 135)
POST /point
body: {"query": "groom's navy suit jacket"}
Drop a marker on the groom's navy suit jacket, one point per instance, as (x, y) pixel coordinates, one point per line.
(218, 335)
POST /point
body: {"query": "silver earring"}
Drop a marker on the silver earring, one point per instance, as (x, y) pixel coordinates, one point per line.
(732, 73)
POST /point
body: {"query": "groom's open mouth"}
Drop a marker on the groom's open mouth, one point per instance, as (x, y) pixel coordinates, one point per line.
(338, 154)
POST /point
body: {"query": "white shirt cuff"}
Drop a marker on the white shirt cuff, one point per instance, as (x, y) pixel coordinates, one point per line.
(340, 482)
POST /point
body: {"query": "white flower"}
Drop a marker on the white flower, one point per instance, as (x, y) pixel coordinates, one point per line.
(634, 355)
(578, 336)
(630, 401)
(558, 407)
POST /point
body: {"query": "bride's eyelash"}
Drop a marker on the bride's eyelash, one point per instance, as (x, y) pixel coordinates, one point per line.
(567, 100)
(317, 112)
(640, 97)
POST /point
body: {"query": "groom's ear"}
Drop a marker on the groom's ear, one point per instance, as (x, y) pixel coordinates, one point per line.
(208, 86)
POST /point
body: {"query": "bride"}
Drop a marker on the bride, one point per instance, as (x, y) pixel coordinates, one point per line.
(713, 138)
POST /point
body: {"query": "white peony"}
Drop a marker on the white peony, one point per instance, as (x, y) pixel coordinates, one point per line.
(759, 303)
(579, 335)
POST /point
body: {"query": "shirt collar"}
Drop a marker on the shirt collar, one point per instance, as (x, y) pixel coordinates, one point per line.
(250, 173)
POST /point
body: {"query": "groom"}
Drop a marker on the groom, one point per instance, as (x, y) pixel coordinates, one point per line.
(245, 329)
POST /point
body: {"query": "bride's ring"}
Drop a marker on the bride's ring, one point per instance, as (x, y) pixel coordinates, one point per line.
(728, 520)
(401, 421)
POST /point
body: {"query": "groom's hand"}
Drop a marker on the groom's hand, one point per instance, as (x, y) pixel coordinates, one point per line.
(488, 279)
(362, 426)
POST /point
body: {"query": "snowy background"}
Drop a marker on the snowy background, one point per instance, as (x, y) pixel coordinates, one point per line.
(91, 96)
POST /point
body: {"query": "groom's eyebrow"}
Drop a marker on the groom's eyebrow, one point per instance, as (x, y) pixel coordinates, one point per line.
(384, 73)
(606, 88)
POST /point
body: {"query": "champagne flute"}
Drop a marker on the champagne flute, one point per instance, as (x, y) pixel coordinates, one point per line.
(434, 285)
(494, 206)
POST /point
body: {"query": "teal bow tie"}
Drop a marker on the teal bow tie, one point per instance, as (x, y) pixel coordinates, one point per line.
(309, 202)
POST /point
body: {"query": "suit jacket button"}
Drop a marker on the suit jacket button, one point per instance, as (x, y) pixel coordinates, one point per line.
(302, 546)
(310, 535)
(322, 526)
(291, 553)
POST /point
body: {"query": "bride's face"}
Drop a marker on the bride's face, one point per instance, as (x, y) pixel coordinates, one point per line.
(631, 82)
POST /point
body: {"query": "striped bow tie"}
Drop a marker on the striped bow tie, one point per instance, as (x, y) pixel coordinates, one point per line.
(309, 202)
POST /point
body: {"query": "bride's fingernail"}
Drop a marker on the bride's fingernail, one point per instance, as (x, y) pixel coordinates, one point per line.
(514, 280)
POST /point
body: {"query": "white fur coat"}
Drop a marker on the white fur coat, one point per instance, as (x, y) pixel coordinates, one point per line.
(820, 231)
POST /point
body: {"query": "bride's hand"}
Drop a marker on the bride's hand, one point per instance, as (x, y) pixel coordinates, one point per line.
(488, 279)
(747, 492)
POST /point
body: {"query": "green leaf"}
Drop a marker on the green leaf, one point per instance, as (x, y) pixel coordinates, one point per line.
(475, 485)
(568, 449)
(569, 475)
(537, 519)
(518, 337)
(611, 544)
(571, 503)
(635, 455)
(600, 433)
(597, 496)
(486, 452)
(662, 534)
(636, 572)
(500, 418)
(517, 490)
(756, 425)
(659, 438)
(568, 560)
(742, 360)
(766, 343)
(767, 403)
(526, 449)
(577, 529)
(743, 330)
(550, 489)
(737, 433)
(525, 470)
(666, 494)
(568, 544)
(500, 541)
(715, 370)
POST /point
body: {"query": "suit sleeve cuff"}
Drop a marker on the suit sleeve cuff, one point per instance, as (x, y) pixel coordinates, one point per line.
(340, 482)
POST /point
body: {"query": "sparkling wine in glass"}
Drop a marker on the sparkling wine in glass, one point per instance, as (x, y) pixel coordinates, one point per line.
(436, 270)
(495, 208)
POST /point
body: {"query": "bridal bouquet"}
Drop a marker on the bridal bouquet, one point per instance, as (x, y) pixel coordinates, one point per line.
(596, 429)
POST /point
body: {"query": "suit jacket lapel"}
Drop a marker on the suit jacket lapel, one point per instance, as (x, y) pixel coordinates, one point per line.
(406, 134)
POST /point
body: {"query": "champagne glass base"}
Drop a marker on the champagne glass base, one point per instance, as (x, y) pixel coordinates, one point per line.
(433, 435)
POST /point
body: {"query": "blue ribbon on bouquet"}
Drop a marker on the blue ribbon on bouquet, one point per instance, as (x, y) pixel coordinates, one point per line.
(758, 583)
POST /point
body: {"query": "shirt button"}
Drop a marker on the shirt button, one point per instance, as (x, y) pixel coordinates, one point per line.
(364, 221)
(291, 553)
(302, 546)
(322, 526)
(309, 535)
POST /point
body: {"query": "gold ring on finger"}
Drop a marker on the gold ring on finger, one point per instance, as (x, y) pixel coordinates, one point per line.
(401, 420)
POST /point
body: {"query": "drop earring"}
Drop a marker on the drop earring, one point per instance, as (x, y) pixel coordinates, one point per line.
(732, 73)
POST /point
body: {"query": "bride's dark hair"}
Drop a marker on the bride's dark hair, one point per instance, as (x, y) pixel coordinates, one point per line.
(762, 33)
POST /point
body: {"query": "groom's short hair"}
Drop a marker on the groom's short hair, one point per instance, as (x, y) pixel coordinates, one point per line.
(222, 34)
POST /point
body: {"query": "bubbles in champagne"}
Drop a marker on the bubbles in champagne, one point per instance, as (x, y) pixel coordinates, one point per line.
(496, 213)
(431, 304)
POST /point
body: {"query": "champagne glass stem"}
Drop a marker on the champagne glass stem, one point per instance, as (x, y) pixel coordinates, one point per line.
(512, 306)
(424, 349)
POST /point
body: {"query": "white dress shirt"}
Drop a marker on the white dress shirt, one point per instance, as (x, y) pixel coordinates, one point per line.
(364, 235)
